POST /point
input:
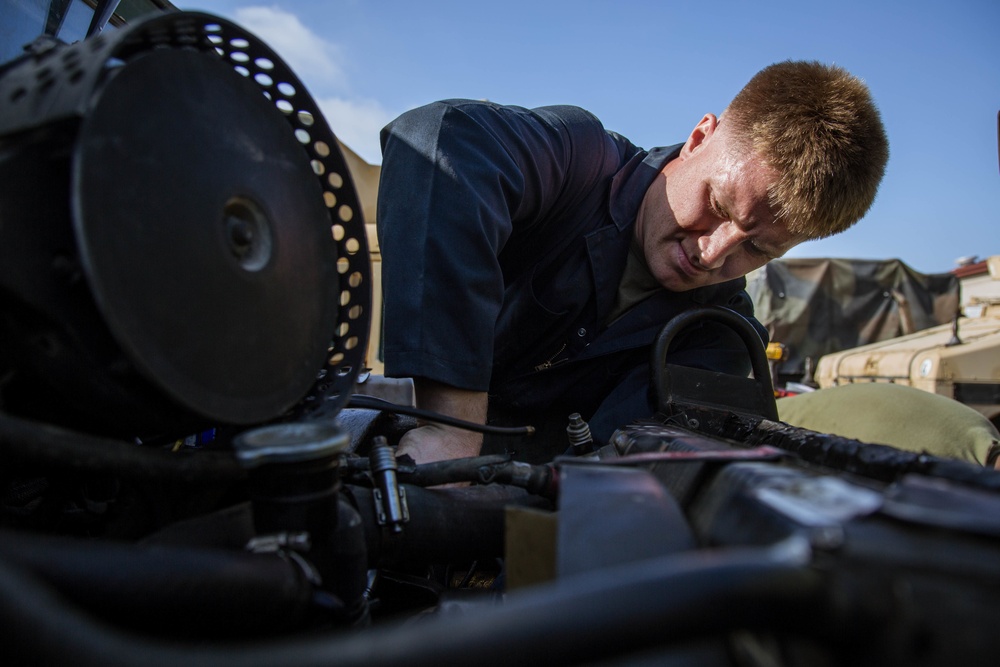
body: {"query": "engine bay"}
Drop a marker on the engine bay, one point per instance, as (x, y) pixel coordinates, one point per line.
(190, 475)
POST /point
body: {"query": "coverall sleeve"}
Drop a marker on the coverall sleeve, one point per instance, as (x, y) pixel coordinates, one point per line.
(457, 178)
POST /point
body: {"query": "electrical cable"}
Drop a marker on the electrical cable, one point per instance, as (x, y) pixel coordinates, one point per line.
(375, 403)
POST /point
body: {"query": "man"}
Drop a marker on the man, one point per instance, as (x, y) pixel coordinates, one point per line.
(530, 256)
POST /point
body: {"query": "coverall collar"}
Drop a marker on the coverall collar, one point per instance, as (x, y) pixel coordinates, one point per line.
(629, 185)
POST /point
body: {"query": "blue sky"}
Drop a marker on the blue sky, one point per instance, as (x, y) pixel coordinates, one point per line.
(650, 70)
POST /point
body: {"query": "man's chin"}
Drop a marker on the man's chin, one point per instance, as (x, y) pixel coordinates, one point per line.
(676, 280)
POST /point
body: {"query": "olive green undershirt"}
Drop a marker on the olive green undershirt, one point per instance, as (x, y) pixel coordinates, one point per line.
(637, 283)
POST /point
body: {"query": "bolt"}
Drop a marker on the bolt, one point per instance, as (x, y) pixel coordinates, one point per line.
(240, 235)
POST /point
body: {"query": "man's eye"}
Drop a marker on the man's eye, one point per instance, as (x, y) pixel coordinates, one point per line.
(713, 204)
(757, 250)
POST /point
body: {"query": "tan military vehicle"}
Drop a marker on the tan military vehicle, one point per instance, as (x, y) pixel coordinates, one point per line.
(815, 307)
(960, 360)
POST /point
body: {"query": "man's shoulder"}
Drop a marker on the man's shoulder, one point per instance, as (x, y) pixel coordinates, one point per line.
(567, 114)
(565, 118)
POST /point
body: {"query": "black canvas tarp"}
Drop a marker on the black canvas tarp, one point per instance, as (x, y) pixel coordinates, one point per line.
(818, 306)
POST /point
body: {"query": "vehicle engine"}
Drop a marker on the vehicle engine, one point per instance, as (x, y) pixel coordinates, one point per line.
(189, 476)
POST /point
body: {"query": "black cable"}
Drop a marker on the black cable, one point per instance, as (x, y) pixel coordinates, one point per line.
(373, 403)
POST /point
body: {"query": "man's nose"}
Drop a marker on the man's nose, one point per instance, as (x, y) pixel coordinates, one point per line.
(718, 244)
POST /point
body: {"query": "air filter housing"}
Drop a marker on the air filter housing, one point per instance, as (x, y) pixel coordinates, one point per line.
(180, 240)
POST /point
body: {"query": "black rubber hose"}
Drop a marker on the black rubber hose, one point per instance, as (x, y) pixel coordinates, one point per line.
(451, 470)
(655, 603)
(450, 525)
(492, 469)
(42, 444)
(436, 472)
(180, 591)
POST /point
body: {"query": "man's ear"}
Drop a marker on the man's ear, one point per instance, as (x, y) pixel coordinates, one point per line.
(702, 131)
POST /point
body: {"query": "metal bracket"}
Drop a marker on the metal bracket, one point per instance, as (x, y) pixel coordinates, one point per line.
(384, 512)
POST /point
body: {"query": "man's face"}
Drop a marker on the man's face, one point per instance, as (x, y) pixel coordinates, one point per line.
(706, 218)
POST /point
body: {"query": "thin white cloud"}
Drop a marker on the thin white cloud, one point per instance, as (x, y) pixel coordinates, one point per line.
(356, 123)
(311, 57)
(316, 61)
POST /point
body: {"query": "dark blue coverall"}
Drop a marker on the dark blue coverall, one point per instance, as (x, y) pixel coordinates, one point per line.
(504, 233)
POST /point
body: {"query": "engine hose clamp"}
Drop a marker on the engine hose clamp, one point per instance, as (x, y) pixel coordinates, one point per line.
(288, 546)
(391, 510)
(391, 513)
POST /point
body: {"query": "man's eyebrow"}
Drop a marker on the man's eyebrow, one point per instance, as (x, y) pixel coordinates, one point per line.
(716, 202)
(752, 221)
(727, 212)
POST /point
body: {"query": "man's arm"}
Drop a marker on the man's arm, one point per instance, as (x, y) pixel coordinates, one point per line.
(457, 178)
(436, 442)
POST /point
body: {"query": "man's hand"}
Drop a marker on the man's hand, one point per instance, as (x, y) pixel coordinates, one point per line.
(436, 442)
